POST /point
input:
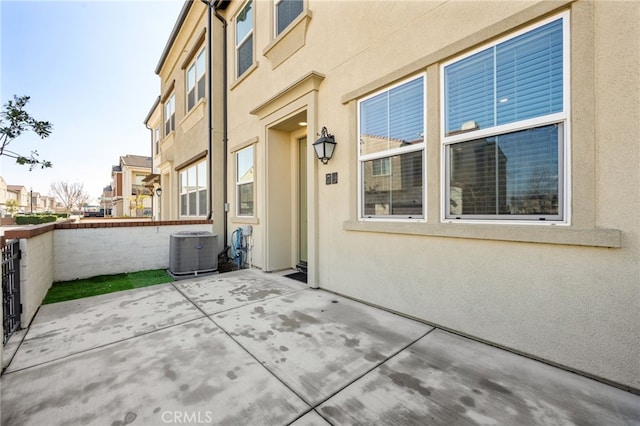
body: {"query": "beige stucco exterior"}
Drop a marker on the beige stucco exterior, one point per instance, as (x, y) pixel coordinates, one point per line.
(566, 294)
(187, 145)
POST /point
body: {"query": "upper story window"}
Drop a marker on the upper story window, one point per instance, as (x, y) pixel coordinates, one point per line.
(505, 126)
(244, 182)
(391, 127)
(285, 13)
(196, 80)
(244, 39)
(170, 114)
(193, 190)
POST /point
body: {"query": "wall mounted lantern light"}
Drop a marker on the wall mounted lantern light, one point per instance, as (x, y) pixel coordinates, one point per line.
(158, 191)
(324, 146)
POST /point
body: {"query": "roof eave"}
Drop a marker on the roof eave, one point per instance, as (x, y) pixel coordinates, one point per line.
(152, 110)
(174, 34)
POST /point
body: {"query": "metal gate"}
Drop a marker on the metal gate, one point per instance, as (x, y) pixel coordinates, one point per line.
(11, 306)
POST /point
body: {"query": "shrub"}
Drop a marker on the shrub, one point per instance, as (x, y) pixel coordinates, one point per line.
(35, 219)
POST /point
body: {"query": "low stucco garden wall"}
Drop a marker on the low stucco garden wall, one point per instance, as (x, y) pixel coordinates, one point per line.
(68, 251)
(36, 273)
(86, 251)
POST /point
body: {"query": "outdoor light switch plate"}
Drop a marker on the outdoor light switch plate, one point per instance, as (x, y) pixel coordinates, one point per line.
(334, 178)
(327, 179)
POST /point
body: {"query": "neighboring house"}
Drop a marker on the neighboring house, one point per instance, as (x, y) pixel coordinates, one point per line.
(130, 195)
(21, 195)
(26, 199)
(106, 200)
(48, 204)
(43, 203)
(481, 179)
(153, 122)
(11, 210)
(180, 119)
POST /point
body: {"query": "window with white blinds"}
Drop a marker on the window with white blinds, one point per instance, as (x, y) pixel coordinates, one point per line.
(193, 190)
(391, 152)
(170, 115)
(196, 80)
(244, 39)
(505, 126)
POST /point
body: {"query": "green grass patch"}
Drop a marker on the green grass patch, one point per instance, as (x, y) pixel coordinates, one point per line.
(103, 284)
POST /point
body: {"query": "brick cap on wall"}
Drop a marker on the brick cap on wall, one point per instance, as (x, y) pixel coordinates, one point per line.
(31, 231)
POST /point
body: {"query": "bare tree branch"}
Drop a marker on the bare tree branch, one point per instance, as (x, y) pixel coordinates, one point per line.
(70, 194)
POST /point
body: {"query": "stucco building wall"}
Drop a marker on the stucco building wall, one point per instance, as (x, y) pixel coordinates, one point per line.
(566, 294)
(188, 143)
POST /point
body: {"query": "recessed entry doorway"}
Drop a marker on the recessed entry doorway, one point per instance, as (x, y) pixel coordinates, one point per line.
(287, 204)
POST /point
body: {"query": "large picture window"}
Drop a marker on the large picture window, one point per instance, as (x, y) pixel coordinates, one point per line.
(285, 12)
(170, 114)
(196, 80)
(505, 127)
(244, 39)
(193, 190)
(391, 154)
(244, 182)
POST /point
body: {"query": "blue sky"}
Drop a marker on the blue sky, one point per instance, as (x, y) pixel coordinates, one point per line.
(88, 67)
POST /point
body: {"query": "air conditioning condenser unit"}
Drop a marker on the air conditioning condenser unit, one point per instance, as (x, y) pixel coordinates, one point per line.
(192, 252)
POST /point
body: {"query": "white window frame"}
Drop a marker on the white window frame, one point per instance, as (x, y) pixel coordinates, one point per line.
(198, 75)
(275, 17)
(170, 115)
(240, 43)
(191, 188)
(392, 152)
(241, 183)
(562, 118)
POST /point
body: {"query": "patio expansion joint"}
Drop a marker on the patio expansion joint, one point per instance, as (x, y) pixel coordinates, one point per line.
(99, 346)
(210, 317)
(186, 296)
(265, 367)
(312, 406)
(389, 358)
(240, 345)
(14, 351)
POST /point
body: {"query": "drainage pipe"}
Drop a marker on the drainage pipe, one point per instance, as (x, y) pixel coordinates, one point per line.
(225, 134)
(210, 118)
(213, 9)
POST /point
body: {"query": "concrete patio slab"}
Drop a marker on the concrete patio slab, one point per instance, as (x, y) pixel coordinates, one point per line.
(284, 354)
(188, 374)
(317, 342)
(219, 293)
(66, 328)
(446, 379)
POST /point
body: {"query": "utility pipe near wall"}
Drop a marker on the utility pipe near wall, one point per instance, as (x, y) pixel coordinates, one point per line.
(213, 9)
(210, 118)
